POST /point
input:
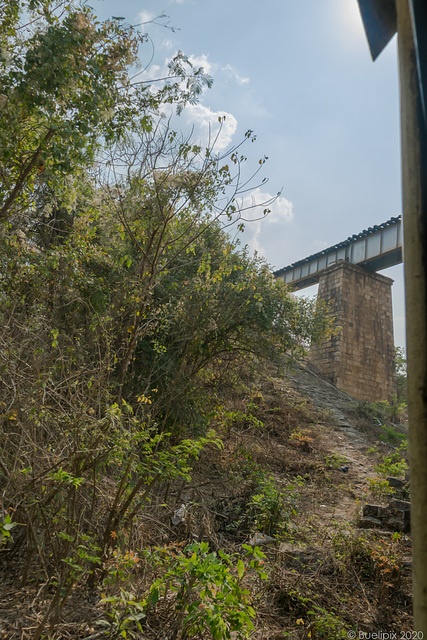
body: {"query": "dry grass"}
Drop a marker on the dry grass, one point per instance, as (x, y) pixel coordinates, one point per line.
(272, 437)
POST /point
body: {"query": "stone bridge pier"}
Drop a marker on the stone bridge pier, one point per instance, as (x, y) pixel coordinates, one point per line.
(359, 359)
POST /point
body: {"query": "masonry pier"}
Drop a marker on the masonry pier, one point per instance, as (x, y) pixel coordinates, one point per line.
(359, 359)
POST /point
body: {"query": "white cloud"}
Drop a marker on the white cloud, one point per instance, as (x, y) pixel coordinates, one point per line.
(202, 119)
(213, 68)
(207, 127)
(145, 16)
(168, 44)
(232, 72)
(202, 61)
(153, 72)
(258, 229)
(281, 209)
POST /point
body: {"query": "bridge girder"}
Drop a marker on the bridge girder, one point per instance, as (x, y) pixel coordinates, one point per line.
(375, 248)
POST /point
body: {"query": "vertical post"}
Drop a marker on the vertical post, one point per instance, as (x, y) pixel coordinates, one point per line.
(414, 185)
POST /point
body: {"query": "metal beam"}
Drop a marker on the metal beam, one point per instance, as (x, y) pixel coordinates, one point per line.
(375, 248)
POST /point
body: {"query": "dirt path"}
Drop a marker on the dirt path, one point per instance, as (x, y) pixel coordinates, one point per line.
(342, 438)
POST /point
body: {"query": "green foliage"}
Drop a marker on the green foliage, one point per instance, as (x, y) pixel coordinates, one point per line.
(205, 591)
(380, 488)
(123, 616)
(267, 508)
(201, 592)
(383, 411)
(6, 526)
(391, 435)
(85, 554)
(120, 292)
(271, 508)
(401, 375)
(327, 624)
(394, 464)
(335, 461)
(65, 87)
(238, 419)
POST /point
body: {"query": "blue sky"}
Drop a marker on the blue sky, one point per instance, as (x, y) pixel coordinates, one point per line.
(299, 74)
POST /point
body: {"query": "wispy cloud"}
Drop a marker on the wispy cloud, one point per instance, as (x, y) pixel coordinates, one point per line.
(145, 16)
(281, 209)
(168, 44)
(214, 69)
(202, 61)
(207, 128)
(233, 73)
(258, 231)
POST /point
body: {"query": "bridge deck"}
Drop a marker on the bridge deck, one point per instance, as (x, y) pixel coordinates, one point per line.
(375, 248)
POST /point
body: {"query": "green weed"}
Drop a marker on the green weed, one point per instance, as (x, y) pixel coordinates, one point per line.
(203, 591)
(334, 461)
(6, 526)
(395, 463)
(390, 434)
(380, 488)
(271, 508)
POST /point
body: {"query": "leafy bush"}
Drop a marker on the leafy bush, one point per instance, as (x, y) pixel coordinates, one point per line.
(202, 591)
(119, 288)
(394, 464)
(390, 434)
(380, 488)
(6, 526)
(271, 508)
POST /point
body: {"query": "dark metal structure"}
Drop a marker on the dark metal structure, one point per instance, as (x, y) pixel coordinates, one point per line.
(381, 23)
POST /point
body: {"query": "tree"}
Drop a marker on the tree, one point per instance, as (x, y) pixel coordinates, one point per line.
(170, 194)
(119, 287)
(400, 366)
(66, 89)
(213, 303)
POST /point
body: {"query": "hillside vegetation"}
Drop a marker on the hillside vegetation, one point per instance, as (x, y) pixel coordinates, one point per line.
(147, 441)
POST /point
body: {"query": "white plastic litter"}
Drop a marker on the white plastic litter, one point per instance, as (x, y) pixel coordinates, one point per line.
(260, 539)
(180, 515)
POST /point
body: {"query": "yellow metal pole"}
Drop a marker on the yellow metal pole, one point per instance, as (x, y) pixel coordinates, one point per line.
(414, 167)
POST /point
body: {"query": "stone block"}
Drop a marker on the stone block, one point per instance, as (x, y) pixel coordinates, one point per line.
(396, 524)
(303, 560)
(369, 522)
(373, 510)
(397, 483)
(400, 505)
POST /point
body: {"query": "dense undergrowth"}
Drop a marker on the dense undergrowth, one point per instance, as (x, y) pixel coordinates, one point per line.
(142, 456)
(188, 564)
